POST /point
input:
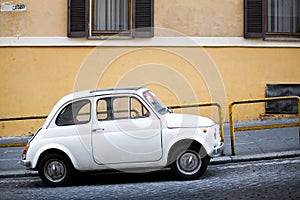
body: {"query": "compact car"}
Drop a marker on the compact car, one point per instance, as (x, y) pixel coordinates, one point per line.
(125, 129)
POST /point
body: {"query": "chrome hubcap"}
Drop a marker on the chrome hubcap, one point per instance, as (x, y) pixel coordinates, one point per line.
(55, 171)
(189, 163)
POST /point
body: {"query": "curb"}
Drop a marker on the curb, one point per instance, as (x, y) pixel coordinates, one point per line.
(18, 141)
(21, 144)
(17, 173)
(254, 157)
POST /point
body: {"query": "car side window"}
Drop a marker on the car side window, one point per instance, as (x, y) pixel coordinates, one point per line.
(78, 112)
(102, 109)
(137, 109)
(128, 108)
(120, 108)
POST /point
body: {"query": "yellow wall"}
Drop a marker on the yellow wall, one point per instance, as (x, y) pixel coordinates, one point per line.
(33, 79)
(200, 17)
(246, 71)
(42, 18)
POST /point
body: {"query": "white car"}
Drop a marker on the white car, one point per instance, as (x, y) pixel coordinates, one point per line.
(125, 129)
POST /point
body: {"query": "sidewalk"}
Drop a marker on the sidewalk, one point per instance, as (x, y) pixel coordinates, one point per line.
(261, 144)
(250, 146)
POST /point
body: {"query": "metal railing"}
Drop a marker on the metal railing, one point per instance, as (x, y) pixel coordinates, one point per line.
(20, 144)
(22, 118)
(271, 126)
(206, 104)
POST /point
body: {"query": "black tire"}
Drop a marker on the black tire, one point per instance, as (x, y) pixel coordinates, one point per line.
(187, 164)
(55, 170)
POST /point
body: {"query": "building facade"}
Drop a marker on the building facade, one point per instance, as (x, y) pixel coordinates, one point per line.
(186, 51)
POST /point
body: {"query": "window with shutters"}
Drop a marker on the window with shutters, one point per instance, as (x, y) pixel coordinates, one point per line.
(102, 18)
(271, 18)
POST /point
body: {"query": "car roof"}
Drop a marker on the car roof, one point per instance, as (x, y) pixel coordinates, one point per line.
(132, 89)
(96, 92)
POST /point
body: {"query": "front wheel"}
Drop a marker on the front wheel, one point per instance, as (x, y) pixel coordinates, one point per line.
(188, 163)
(55, 170)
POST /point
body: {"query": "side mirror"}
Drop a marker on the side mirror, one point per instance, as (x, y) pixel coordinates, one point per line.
(170, 111)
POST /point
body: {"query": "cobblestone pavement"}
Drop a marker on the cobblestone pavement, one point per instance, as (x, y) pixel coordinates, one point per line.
(272, 179)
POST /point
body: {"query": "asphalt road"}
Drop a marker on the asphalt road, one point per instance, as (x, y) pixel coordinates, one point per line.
(271, 179)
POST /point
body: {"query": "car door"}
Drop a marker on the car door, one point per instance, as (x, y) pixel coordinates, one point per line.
(125, 131)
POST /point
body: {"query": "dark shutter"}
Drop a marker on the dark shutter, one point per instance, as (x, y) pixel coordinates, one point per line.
(78, 18)
(253, 18)
(143, 21)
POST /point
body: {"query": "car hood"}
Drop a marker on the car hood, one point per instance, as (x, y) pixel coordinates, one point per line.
(187, 121)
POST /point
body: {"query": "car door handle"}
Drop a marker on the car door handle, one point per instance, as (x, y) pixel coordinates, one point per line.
(98, 129)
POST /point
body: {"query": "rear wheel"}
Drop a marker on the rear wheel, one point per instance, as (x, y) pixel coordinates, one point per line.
(188, 164)
(55, 170)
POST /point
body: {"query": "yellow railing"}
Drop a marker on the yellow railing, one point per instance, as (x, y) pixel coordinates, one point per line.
(220, 116)
(19, 119)
(22, 118)
(206, 104)
(231, 118)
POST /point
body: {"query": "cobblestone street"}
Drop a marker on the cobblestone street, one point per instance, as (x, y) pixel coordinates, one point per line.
(272, 179)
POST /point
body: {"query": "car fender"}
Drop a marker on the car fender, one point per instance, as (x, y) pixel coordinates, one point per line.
(199, 139)
(55, 147)
(189, 134)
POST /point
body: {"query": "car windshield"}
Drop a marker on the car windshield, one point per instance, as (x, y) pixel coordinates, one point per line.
(155, 102)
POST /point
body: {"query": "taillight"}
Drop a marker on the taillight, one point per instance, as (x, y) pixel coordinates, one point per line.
(25, 151)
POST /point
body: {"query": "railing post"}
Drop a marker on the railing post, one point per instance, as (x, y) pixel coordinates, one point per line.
(221, 125)
(221, 122)
(299, 118)
(231, 122)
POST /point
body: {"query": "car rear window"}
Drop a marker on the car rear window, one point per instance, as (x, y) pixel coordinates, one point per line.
(78, 112)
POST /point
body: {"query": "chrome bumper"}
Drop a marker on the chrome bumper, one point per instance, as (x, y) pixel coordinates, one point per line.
(218, 150)
(26, 163)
